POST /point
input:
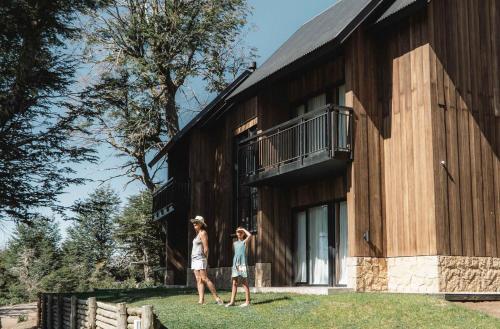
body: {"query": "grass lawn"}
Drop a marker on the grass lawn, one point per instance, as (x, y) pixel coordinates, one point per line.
(178, 309)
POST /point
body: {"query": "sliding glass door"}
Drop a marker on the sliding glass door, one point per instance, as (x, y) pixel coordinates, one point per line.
(311, 246)
(320, 248)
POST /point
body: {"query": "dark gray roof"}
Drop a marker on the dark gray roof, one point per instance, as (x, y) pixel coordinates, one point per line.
(398, 6)
(320, 30)
(334, 24)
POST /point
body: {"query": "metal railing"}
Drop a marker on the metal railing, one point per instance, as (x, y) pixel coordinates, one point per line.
(170, 195)
(328, 129)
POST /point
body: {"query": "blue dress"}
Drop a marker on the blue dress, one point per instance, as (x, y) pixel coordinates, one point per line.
(239, 260)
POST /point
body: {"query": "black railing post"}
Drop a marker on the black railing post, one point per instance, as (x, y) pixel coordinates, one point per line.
(351, 132)
(328, 133)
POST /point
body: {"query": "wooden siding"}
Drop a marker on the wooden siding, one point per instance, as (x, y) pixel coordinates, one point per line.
(465, 54)
(407, 140)
(364, 175)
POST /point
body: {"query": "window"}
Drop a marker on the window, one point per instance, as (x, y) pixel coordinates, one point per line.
(309, 105)
(246, 197)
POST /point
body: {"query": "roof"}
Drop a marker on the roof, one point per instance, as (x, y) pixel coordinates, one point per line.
(217, 103)
(333, 26)
(398, 6)
(322, 29)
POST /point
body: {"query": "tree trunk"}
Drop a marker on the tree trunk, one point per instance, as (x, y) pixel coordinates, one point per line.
(148, 272)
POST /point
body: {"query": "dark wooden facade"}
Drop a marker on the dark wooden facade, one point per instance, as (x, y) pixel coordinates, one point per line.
(425, 175)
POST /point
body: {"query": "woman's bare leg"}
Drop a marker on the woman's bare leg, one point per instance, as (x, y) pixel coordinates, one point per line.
(209, 284)
(200, 286)
(247, 291)
(234, 290)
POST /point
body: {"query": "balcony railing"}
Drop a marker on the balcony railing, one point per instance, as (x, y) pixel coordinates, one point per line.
(172, 195)
(314, 137)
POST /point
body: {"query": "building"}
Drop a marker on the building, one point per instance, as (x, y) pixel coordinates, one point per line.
(363, 153)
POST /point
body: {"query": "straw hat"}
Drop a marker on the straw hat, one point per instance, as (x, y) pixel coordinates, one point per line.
(199, 219)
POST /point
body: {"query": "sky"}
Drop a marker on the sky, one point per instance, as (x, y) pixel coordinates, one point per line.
(271, 23)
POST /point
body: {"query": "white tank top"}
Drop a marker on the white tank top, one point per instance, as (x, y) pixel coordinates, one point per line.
(197, 251)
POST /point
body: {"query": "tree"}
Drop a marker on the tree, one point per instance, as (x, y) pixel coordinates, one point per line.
(30, 256)
(137, 235)
(36, 122)
(149, 49)
(89, 245)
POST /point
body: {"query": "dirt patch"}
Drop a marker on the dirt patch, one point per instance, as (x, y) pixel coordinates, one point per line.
(491, 308)
(10, 315)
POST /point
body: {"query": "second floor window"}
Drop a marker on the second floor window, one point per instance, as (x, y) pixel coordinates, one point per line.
(311, 104)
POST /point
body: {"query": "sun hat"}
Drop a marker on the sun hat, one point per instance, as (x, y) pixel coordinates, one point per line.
(199, 219)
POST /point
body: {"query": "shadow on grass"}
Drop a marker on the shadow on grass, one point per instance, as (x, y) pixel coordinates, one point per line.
(271, 300)
(136, 295)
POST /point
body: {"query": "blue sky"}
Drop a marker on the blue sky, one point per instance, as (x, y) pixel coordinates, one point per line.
(272, 22)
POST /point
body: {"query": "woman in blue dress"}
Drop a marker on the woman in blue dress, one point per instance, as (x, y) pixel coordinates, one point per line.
(239, 270)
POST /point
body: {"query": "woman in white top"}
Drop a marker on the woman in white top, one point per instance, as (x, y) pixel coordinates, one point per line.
(199, 255)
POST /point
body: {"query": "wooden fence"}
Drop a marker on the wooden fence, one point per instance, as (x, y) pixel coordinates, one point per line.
(62, 312)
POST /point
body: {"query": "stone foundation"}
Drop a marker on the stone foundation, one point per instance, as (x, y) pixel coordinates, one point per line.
(367, 273)
(413, 274)
(424, 274)
(258, 276)
(467, 274)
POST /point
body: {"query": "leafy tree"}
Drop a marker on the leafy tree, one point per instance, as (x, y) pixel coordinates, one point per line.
(146, 51)
(36, 72)
(138, 236)
(89, 245)
(30, 256)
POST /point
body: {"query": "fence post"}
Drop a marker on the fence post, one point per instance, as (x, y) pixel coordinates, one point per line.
(72, 315)
(59, 311)
(121, 315)
(49, 311)
(39, 311)
(147, 317)
(92, 302)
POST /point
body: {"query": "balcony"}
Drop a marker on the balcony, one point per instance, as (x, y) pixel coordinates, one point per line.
(315, 144)
(171, 196)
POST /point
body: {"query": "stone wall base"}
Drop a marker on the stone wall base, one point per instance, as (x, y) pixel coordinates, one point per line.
(465, 274)
(367, 273)
(424, 274)
(258, 276)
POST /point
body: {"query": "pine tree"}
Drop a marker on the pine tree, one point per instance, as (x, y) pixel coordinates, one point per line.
(89, 246)
(138, 236)
(37, 117)
(31, 255)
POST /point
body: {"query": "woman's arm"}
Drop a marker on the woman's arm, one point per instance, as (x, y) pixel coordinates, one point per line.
(204, 241)
(249, 235)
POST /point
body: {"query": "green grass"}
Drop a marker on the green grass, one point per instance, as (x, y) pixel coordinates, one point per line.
(178, 309)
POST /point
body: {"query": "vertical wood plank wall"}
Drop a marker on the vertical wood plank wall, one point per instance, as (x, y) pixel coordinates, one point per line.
(407, 145)
(364, 195)
(464, 40)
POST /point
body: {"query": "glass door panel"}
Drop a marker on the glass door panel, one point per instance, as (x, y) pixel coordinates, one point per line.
(318, 243)
(300, 260)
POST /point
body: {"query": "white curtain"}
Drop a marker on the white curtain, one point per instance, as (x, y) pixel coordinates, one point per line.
(301, 251)
(318, 240)
(343, 252)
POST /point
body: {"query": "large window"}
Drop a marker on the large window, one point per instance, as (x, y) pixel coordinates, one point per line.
(246, 197)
